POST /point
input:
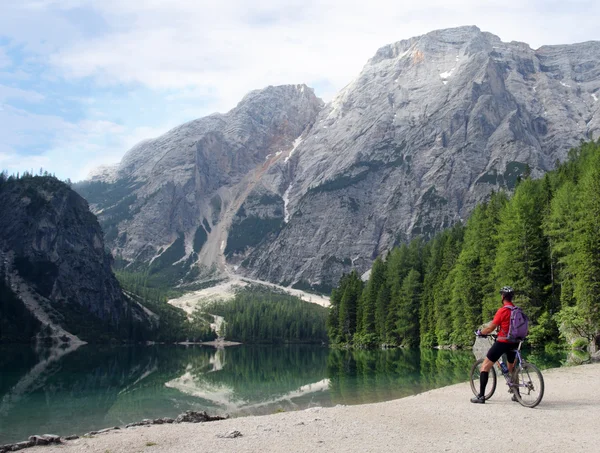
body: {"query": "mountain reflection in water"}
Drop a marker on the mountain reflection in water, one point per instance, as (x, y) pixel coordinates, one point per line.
(93, 387)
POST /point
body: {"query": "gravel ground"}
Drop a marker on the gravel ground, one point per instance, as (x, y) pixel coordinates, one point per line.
(441, 420)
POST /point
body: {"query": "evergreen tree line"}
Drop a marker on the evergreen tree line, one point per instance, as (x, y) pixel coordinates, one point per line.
(257, 316)
(544, 241)
(29, 175)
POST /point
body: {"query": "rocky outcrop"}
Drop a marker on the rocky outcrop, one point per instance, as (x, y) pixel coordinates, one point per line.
(48, 439)
(45, 439)
(53, 262)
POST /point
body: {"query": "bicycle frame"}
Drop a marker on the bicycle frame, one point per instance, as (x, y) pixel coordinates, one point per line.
(517, 363)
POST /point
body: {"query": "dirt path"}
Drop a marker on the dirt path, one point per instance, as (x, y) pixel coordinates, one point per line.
(441, 420)
(226, 290)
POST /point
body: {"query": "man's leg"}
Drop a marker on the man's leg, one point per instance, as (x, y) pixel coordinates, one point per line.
(484, 375)
(492, 357)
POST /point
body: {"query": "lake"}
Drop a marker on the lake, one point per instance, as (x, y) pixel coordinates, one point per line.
(95, 387)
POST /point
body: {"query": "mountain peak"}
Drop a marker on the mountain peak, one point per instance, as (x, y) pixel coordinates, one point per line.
(434, 40)
(279, 92)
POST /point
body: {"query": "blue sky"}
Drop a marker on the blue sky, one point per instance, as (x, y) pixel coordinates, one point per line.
(82, 81)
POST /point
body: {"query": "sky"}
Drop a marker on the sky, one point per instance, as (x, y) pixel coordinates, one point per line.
(82, 81)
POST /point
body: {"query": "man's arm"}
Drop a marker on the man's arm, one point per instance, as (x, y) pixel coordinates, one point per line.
(489, 329)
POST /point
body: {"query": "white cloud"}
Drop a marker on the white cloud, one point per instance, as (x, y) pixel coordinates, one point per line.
(109, 155)
(73, 149)
(231, 47)
(90, 144)
(8, 93)
(5, 60)
(14, 163)
(188, 51)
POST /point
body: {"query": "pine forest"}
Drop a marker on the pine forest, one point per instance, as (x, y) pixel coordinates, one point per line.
(543, 240)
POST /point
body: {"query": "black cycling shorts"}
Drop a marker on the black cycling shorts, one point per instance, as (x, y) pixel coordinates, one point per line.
(499, 348)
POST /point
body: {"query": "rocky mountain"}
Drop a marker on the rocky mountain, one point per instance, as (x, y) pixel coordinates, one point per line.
(170, 201)
(56, 280)
(429, 128)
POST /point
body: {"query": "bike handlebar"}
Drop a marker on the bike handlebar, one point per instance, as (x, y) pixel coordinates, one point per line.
(481, 335)
(494, 336)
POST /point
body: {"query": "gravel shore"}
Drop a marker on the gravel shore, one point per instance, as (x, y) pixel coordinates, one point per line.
(441, 420)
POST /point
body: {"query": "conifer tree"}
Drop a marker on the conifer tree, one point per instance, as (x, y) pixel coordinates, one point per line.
(559, 226)
(382, 311)
(376, 304)
(465, 301)
(587, 242)
(442, 287)
(427, 317)
(333, 316)
(489, 240)
(522, 258)
(397, 267)
(348, 307)
(408, 314)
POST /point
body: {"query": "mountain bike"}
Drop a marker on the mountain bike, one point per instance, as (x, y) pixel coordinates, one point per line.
(526, 382)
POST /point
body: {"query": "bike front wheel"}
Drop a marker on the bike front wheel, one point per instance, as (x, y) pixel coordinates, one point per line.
(474, 378)
(529, 388)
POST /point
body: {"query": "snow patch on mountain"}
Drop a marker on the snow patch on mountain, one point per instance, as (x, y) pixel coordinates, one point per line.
(286, 202)
(296, 144)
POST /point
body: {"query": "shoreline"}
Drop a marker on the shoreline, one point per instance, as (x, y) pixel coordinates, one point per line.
(437, 420)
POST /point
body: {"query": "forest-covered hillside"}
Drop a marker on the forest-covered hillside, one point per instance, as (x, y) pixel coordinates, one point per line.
(259, 315)
(544, 240)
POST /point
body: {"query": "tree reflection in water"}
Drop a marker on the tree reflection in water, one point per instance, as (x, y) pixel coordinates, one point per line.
(96, 387)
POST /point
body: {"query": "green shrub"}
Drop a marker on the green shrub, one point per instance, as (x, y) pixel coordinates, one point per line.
(199, 239)
(580, 343)
(250, 232)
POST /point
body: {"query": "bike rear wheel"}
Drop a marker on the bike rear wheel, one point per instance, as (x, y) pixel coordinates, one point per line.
(474, 378)
(530, 381)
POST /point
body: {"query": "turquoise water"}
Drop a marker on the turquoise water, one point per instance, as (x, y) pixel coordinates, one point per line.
(98, 387)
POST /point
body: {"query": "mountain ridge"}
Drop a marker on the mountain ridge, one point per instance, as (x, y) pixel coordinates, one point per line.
(429, 128)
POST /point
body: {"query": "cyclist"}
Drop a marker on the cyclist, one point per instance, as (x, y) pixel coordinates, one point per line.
(501, 345)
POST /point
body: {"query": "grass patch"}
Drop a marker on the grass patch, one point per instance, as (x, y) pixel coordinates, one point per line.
(174, 253)
(509, 179)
